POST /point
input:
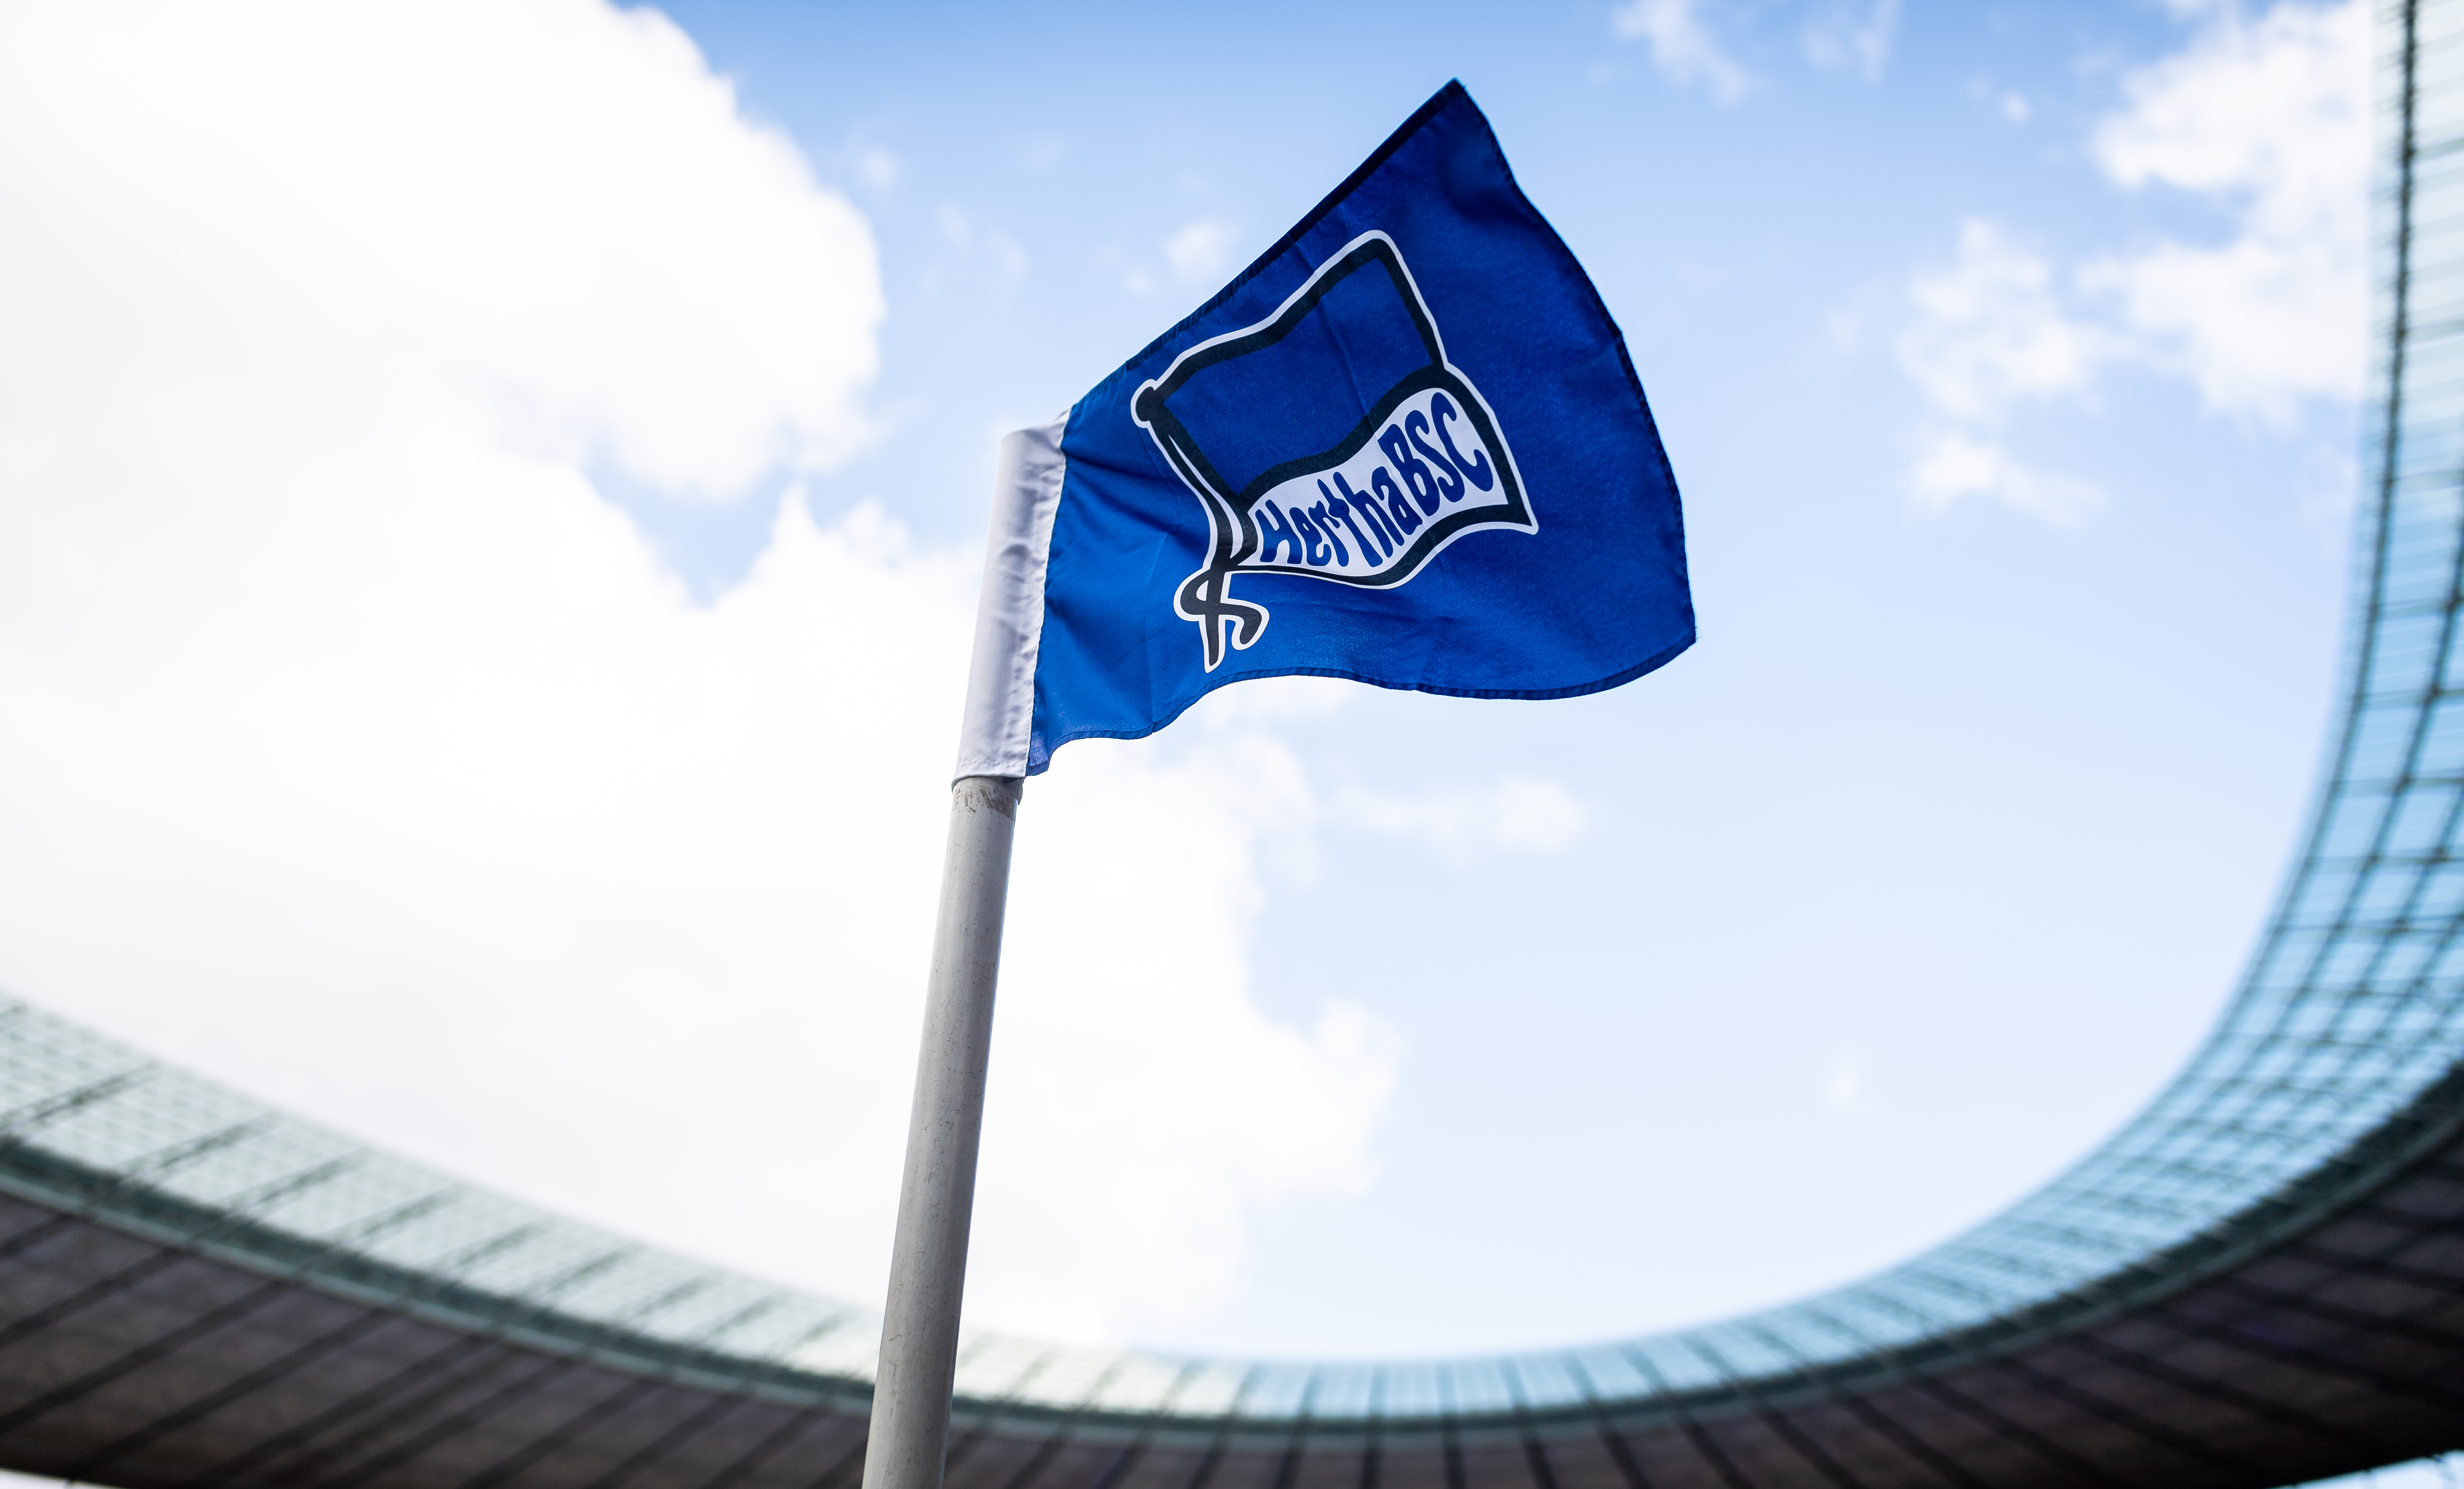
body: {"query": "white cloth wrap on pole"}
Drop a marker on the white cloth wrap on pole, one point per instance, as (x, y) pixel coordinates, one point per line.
(928, 1263)
(1009, 615)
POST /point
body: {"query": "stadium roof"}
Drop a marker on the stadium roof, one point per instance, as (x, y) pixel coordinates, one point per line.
(2259, 1279)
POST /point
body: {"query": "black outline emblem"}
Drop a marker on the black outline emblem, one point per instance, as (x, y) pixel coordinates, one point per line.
(1206, 596)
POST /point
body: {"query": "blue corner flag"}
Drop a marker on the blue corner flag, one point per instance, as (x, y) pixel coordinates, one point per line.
(1405, 446)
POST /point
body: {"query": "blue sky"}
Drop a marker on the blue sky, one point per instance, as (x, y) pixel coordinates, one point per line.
(1029, 169)
(1942, 846)
(485, 587)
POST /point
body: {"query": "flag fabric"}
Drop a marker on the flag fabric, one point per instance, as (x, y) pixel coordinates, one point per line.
(1405, 446)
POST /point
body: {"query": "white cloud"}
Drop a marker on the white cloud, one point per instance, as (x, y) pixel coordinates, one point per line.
(358, 752)
(1953, 465)
(1986, 336)
(1681, 47)
(1843, 37)
(1151, 1106)
(451, 230)
(1518, 815)
(1990, 330)
(2270, 117)
(1198, 254)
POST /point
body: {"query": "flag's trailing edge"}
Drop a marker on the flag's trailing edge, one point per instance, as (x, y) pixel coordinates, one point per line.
(1409, 436)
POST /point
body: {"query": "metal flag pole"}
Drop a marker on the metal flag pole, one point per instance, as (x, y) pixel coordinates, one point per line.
(928, 1266)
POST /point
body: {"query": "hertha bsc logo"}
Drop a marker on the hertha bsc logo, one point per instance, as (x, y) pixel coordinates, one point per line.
(1331, 439)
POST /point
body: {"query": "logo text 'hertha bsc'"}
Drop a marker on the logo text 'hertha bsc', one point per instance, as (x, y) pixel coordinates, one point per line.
(1331, 439)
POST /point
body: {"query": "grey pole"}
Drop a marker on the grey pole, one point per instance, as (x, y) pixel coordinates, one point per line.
(927, 1262)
